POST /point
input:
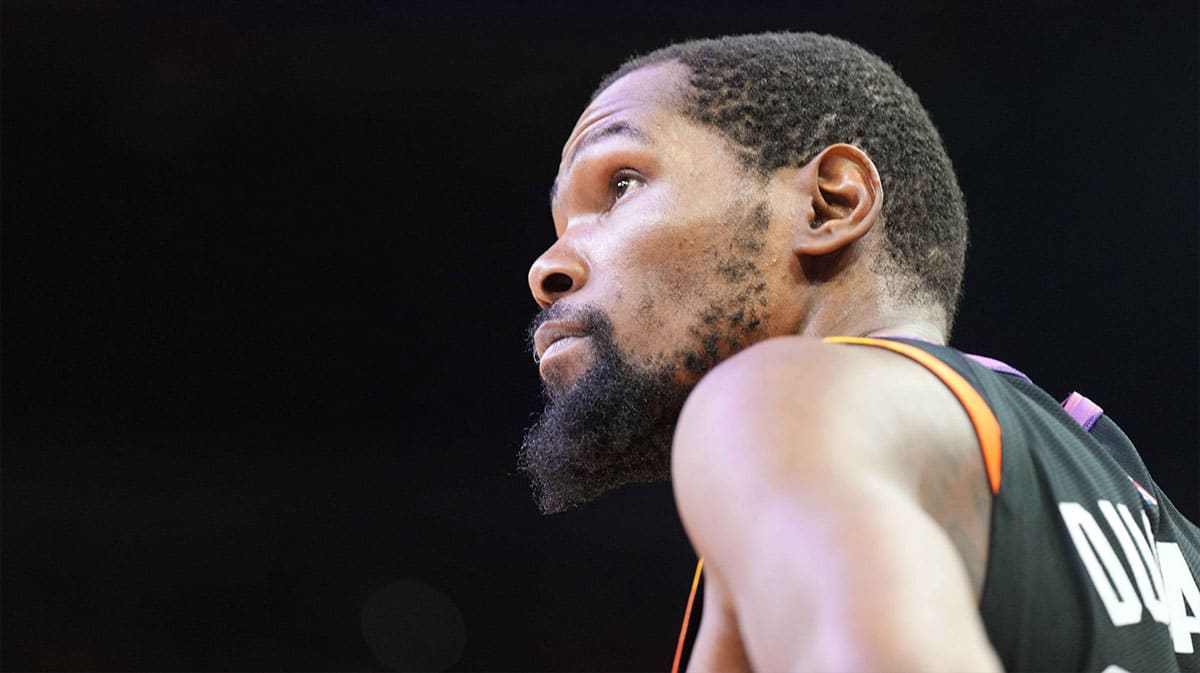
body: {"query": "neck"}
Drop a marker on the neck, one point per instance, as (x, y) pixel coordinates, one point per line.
(916, 329)
(873, 314)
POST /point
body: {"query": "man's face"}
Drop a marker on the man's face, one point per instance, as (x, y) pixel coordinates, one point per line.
(666, 263)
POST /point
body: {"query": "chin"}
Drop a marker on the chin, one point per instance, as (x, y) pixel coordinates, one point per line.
(562, 372)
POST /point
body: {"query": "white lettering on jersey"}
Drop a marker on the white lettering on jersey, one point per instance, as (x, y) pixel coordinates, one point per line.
(1166, 584)
(1118, 596)
(1142, 561)
(1182, 595)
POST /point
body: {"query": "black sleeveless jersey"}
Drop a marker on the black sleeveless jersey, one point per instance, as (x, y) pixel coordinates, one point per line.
(1090, 566)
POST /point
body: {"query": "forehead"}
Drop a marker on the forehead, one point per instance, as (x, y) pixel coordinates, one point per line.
(643, 101)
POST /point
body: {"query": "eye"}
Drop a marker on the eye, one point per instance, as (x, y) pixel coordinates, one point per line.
(623, 182)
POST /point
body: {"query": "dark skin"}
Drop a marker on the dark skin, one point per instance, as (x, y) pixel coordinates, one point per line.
(836, 493)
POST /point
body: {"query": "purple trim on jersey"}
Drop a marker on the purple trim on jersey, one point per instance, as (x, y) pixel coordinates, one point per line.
(1084, 411)
(997, 366)
(991, 363)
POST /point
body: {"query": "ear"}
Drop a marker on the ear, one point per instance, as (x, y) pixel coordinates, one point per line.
(847, 198)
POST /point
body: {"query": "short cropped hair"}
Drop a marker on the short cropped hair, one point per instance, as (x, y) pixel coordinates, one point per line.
(784, 97)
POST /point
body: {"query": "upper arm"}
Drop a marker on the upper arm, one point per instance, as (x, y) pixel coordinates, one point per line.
(800, 469)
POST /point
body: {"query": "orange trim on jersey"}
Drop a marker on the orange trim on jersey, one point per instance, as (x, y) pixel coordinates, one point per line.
(687, 615)
(987, 428)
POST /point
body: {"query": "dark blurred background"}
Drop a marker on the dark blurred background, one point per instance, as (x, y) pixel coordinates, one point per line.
(264, 299)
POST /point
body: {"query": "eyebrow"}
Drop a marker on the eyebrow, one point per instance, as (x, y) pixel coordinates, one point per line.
(620, 128)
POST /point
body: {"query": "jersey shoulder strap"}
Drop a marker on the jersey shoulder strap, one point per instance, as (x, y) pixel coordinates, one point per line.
(987, 428)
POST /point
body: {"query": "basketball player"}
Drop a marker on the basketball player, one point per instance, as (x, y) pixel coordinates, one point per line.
(760, 247)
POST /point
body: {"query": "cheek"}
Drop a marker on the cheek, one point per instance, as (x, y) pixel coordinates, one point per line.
(664, 291)
(675, 270)
(669, 258)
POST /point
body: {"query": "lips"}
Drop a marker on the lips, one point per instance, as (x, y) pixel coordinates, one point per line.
(555, 332)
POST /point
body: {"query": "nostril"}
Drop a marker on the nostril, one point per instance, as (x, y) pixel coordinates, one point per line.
(556, 283)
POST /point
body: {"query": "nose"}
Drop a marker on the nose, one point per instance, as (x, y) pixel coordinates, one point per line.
(558, 272)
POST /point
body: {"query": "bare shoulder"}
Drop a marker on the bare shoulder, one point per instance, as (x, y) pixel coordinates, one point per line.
(821, 425)
(873, 402)
(833, 491)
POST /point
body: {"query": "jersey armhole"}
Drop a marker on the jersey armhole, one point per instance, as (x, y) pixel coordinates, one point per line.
(987, 428)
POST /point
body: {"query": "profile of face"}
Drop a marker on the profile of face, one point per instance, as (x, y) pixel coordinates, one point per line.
(668, 259)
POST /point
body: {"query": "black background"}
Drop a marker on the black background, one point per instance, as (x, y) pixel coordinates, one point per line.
(264, 299)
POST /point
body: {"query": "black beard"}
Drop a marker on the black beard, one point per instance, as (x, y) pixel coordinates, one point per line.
(612, 426)
(615, 424)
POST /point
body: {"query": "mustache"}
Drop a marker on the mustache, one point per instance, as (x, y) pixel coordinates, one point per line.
(591, 319)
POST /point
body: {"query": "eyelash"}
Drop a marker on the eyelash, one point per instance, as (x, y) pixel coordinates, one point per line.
(623, 175)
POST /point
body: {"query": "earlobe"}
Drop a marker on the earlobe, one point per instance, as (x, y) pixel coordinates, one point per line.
(847, 197)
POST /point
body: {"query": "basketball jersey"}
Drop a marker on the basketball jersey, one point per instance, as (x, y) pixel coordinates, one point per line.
(1090, 567)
